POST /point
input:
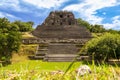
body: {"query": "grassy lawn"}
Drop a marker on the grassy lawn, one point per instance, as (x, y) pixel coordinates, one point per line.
(39, 66)
(39, 70)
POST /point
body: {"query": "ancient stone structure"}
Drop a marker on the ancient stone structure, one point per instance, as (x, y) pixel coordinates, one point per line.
(60, 38)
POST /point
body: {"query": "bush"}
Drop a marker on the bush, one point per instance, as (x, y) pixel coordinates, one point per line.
(10, 39)
(24, 26)
(104, 47)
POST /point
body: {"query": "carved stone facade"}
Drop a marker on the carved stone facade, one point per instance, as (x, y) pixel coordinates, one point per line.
(62, 35)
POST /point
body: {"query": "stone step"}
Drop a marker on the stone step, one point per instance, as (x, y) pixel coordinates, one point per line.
(62, 44)
(61, 58)
(65, 58)
(58, 60)
(60, 55)
(40, 54)
(39, 57)
(43, 45)
(42, 49)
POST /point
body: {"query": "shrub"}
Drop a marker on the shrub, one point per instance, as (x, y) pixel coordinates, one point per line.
(24, 26)
(104, 47)
(10, 39)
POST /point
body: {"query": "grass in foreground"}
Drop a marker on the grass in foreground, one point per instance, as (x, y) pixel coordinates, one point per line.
(38, 70)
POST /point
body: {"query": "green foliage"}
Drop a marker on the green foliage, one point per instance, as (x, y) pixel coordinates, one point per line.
(97, 28)
(104, 47)
(113, 31)
(10, 39)
(84, 23)
(92, 28)
(24, 26)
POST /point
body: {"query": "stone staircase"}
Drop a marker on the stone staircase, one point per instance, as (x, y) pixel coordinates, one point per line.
(41, 51)
(46, 53)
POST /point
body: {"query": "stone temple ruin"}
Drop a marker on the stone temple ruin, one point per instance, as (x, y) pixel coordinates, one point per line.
(60, 37)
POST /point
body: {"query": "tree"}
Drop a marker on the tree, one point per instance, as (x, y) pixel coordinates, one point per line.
(84, 23)
(10, 39)
(92, 28)
(97, 28)
(113, 31)
(24, 26)
(104, 47)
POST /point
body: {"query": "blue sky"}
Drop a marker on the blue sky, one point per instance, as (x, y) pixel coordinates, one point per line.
(103, 12)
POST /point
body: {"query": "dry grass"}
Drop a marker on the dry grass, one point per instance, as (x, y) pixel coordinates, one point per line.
(27, 35)
(23, 53)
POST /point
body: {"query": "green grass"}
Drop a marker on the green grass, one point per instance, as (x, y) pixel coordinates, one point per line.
(39, 70)
(39, 65)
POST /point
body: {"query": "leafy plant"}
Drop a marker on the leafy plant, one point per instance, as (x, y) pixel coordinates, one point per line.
(24, 26)
(104, 47)
(10, 39)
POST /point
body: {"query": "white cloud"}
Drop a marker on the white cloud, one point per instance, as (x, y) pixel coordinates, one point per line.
(10, 4)
(88, 8)
(115, 23)
(11, 16)
(104, 13)
(2, 14)
(116, 18)
(45, 3)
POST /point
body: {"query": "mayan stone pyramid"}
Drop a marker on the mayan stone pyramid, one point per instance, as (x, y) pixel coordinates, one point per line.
(60, 37)
(61, 25)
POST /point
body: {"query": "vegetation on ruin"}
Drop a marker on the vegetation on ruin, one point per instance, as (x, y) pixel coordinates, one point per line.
(92, 28)
(96, 28)
(26, 35)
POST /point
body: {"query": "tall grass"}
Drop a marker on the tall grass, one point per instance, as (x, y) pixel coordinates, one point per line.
(38, 70)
